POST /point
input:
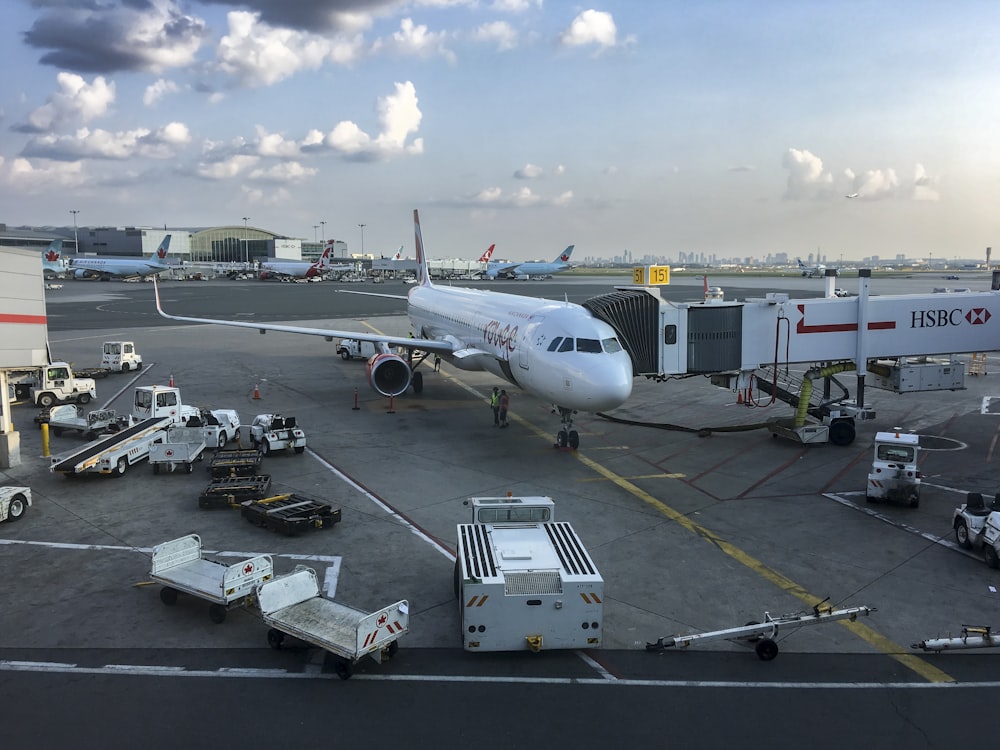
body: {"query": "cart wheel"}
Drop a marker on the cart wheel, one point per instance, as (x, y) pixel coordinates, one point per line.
(121, 467)
(766, 649)
(217, 613)
(393, 648)
(16, 507)
(914, 500)
(90, 435)
(275, 638)
(156, 468)
(300, 448)
(168, 596)
(344, 670)
(83, 399)
(190, 468)
(265, 447)
(57, 431)
(962, 534)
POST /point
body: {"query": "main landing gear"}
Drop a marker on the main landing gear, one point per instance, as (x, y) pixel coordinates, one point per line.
(567, 437)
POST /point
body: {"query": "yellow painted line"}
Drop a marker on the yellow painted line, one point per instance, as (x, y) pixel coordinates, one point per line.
(639, 476)
(875, 639)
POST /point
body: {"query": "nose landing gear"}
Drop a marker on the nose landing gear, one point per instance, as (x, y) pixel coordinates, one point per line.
(567, 437)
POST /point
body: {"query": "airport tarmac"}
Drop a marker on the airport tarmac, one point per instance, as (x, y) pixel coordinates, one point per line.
(696, 518)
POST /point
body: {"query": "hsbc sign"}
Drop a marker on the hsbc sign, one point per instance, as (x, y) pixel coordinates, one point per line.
(942, 318)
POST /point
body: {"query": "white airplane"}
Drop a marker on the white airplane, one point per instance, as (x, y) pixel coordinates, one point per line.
(556, 351)
(53, 264)
(530, 268)
(810, 271)
(851, 195)
(105, 268)
(301, 269)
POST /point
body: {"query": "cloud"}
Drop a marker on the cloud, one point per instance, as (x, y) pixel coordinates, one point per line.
(590, 27)
(32, 179)
(806, 176)
(104, 38)
(500, 32)
(75, 102)
(104, 144)
(528, 172)
(227, 168)
(314, 16)
(157, 90)
(415, 41)
(494, 197)
(285, 172)
(924, 186)
(515, 6)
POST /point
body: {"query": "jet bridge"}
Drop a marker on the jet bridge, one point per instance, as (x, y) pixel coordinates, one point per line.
(886, 335)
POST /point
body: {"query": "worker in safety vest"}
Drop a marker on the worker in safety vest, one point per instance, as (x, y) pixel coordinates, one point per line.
(495, 405)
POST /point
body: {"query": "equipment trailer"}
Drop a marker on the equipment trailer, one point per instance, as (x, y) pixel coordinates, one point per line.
(179, 566)
(241, 462)
(74, 417)
(231, 492)
(181, 446)
(292, 604)
(763, 635)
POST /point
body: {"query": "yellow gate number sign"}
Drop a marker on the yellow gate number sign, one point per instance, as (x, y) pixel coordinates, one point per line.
(651, 275)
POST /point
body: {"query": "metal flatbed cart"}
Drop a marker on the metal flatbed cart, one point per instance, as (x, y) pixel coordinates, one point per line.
(290, 513)
(229, 492)
(292, 605)
(241, 462)
(762, 635)
(180, 567)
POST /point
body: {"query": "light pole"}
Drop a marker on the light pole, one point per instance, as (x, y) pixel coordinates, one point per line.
(76, 236)
(246, 241)
(362, 239)
(323, 231)
(315, 227)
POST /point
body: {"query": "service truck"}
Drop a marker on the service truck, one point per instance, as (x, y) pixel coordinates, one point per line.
(218, 425)
(524, 581)
(14, 502)
(352, 348)
(55, 383)
(978, 525)
(894, 476)
(120, 356)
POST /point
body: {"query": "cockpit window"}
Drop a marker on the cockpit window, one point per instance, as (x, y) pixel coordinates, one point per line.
(591, 346)
(567, 345)
(611, 346)
(555, 343)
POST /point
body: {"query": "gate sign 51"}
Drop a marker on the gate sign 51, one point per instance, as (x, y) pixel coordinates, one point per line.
(651, 275)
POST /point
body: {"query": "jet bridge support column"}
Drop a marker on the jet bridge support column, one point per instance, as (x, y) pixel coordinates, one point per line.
(861, 359)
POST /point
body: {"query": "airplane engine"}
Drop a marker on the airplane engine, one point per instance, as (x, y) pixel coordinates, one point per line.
(84, 273)
(388, 374)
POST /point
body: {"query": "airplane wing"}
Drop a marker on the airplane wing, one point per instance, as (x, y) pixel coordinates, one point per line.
(425, 345)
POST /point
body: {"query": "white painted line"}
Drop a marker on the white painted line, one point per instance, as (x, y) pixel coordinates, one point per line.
(590, 662)
(334, 560)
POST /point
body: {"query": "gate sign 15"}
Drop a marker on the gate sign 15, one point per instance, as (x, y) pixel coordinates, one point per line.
(651, 275)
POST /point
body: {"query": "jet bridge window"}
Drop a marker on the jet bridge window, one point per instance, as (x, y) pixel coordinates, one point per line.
(514, 515)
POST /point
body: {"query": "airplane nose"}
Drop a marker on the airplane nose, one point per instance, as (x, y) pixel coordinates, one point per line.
(615, 384)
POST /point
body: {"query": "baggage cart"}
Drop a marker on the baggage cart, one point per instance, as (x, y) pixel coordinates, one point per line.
(292, 605)
(180, 567)
(181, 447)
(241, 462)
(230, 492)
(290, 514)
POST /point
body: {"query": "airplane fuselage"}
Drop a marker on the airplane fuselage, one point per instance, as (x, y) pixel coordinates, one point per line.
(556, 350)
(116, 267)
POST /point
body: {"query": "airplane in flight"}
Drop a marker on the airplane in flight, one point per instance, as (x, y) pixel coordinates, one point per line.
(531, 268)
(300, 269)
(106, 268)
(556, 351)
(811, 271)
(53, 264)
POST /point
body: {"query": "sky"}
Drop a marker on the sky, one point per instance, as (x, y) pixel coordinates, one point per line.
(734, 129)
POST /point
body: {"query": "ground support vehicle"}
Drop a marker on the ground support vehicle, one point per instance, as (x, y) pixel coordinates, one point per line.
(352, 348)
(181, 447)
(56, 383)
(525, 581)
(971, 637)
(219, 426)
(14, 502)
(272, 432)
(112, 454)
(89, 424)
(763, 635)
(231, 492)
(292, 605)
(290, 513)
(180, 567)
(241, 462)
(120, 356)
(977, 525)
(894, 476)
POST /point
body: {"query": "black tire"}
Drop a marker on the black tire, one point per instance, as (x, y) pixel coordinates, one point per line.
(990, 556)
(121, 467)
(300, 449)
(265, 447)
(275, 638)
(57, 431)
(138, 365)
(915, 500)
(561, 439)
(17, 507)
(90, 435)
(344, 670)
(168, 596)
(156, 468)
(223, 439)
(393, 648)
(237, 436)
(417, 382)
(871, 499)
(766, 649)
(345, 354)
(217, 613)
(962, 534)
(457, 583)
(574, 439)
(83, 399)
(842, 432)
(190, 467)
(46, 400)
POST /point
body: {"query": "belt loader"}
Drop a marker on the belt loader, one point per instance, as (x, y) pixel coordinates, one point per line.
(113, 454)
(525, 581)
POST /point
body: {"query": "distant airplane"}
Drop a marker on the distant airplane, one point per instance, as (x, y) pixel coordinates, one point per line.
(106, 268)
(485, 257)
(530, 268)
(851, 195)
(556, 351)
(810, 271)
(53, 264)
(301, 269)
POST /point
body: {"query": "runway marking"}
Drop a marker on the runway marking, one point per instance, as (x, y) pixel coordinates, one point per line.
(639, 476)
(132, 670)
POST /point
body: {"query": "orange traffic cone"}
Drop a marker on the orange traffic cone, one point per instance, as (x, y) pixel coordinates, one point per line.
(739, 397)
(256, 392)
(171, 380)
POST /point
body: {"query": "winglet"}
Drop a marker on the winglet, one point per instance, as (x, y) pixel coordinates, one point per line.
(423, 277)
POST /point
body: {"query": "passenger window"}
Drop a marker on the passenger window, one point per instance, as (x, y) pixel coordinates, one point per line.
(567, 345)
(555, 343)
